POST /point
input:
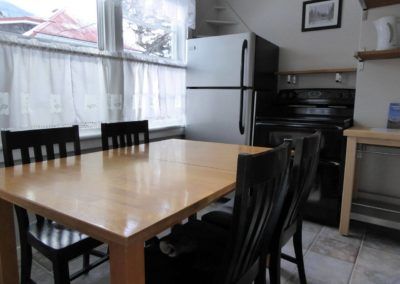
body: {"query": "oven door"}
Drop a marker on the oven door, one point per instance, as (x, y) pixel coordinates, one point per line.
(323, 205)
(271, 134)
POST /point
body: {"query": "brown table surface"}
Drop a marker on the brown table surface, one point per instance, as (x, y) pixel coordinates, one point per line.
(122, 197)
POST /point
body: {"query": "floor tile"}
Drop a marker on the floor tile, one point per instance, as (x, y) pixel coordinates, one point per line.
(42, 260)
(312, 227)
(326, 269)
(307, 238)
(288, 272)
(335, 248)
(363, 275)
(40, 274)
(99, 275)
(379, 260)
(386, 241)
(355, 236)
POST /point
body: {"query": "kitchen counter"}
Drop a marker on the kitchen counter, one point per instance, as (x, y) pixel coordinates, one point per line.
(373, 133)
(366, 210)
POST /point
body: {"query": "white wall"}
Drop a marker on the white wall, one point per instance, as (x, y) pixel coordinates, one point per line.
(280, 22)
(379, 82)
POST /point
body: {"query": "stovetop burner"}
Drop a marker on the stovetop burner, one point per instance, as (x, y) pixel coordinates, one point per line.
(324, 106)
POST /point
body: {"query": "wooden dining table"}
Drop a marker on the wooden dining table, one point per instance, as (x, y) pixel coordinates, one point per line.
(122, 197)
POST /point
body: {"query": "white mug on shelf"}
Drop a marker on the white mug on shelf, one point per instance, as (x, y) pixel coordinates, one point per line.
(387, 30)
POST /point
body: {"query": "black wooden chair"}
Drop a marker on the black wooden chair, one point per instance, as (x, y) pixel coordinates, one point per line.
(232, 258)
(121, 133)
(302, 176)
(57, 243)
(304, 169)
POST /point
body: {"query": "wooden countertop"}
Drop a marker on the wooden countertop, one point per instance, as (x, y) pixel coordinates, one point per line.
(373, 133)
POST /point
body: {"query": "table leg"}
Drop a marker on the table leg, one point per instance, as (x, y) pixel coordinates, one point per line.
(8, 248)
(348, 185)
(127, 263)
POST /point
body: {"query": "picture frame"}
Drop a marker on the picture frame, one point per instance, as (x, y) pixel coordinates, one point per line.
(321, 15)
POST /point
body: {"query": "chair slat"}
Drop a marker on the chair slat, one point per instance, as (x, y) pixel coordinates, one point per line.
(136, 138)
(63, 149)
(124, 129)
(25, 155)
(50, 152)
(122, 140)
(129, 139)
(115, 141)
(38, 153)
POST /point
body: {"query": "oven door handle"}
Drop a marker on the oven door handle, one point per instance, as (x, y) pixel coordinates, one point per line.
(242, 87)
(329, 163)
(298, 125)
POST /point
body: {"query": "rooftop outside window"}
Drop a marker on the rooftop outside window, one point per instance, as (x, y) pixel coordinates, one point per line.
(66, 21)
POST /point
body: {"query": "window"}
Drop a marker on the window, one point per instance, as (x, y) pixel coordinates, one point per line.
(67, 21)
(155, 27)
(54, 85)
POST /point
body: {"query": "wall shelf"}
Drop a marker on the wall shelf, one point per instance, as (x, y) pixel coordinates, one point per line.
(370, 4)
(317, 71)
(220, 22)
(378, 54)
(219, 8)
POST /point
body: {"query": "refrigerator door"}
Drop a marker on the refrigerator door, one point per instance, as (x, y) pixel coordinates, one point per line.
(216, 61)
(213, 115)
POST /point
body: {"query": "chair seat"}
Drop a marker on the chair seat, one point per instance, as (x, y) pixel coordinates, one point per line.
(218, 218)
(222, 216)
(55, 237)
(196, 267)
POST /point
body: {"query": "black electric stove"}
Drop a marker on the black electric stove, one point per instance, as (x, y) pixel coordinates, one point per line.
(300, 112)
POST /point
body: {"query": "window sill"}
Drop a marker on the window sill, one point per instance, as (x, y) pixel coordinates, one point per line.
(93, 134)
(89, 134)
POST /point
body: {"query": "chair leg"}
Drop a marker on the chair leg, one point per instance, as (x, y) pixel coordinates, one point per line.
(26, 264)
(275, 266)
(298, 250)
(193, 217)
(86, 261)
(61, 272)
(261, 276)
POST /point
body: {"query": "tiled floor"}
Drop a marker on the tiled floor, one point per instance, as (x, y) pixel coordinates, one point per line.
(369, 255)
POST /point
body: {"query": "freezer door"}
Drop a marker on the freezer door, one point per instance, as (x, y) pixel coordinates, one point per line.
(216, 61)
(213, 115)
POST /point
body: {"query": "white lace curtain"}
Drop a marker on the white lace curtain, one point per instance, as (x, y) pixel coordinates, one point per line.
(41, 88)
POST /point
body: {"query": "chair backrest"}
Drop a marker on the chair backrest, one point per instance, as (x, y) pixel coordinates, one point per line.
(121, 133)
(304, 169)
(37, 139)
(261, 187)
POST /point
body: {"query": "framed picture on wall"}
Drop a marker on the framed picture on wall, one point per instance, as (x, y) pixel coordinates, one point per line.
(321, 15)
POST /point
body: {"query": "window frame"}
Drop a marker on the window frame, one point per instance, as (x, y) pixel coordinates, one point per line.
(110, 38)
(180, 39)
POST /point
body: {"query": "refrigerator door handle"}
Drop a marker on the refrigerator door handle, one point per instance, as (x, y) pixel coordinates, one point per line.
(242, 87)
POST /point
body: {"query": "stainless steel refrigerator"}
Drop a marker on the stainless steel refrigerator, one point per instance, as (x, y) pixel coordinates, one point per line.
(229, 80)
